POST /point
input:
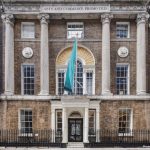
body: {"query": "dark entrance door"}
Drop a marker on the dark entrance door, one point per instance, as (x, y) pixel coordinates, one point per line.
(75, 130)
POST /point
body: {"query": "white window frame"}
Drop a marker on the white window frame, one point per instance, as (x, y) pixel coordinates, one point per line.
(22, 34)
(75, 23)
(131, 122)
(123, 23)
(56, 125)
(128, 84)
(94, 110)
(93, 80)
(19, 122)
(22, 78)
(59, 71)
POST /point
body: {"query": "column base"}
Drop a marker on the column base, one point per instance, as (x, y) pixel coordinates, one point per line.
(106, 93)
(85, 141)
(8, 93)
(141, 93)
(43, 93)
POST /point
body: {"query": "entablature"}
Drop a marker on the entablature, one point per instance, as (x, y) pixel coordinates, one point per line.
(59, 11)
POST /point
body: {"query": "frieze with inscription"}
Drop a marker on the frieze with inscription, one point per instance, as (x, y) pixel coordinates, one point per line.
(73, 9)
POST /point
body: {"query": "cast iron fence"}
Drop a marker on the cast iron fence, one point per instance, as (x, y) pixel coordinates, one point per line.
(15, 138)
(112, 138)
(50, 138)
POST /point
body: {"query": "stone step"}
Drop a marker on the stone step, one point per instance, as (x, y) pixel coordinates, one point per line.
(75, 145)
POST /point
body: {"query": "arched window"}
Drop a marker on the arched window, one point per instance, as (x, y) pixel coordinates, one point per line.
(85, 84)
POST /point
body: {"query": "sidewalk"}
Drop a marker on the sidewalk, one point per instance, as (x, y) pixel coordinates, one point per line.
(43, 148)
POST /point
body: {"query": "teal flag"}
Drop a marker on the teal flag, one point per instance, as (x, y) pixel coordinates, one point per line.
(69, 81)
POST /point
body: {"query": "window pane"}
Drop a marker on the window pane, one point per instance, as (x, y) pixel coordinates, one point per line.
(28, 79)
(26, 121)
(92, 122)
(60, 83)
(124, 120)
(89, 80)
(122, 30)
(75, 30)
(122, 79)
(28, 30)
(59, 120)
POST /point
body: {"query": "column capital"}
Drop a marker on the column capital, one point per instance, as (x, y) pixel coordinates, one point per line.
(105, 18)
(8, 18)
(43, 18)
(142, 17)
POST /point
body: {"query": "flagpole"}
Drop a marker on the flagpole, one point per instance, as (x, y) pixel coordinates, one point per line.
(76, 68)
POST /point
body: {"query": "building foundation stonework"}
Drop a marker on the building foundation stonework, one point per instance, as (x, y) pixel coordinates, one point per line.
(110, 98)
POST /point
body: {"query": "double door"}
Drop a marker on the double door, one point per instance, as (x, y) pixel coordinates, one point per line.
(75, 129)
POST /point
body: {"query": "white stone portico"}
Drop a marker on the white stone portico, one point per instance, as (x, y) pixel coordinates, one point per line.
(68, 105)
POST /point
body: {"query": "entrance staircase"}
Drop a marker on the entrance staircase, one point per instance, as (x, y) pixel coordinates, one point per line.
(75, 145)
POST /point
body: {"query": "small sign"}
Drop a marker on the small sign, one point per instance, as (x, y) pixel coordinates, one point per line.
(123, 52)
(27, 52)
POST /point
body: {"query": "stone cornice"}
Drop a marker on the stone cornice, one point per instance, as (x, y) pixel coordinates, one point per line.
(71, 1)
(95, 97)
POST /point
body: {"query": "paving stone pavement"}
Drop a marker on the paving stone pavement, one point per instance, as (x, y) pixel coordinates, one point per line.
(43, 148)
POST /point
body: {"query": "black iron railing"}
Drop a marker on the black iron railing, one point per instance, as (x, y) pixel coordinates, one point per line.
(36, 138)
(113, 138)
(50, 138)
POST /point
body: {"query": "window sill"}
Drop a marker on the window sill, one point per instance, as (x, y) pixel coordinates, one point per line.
(24, 38)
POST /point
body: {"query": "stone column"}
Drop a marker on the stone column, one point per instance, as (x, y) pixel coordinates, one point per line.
(44, 67)
(97, 124)
(141, 55)
(106, 54)
(53, 124)
(86, 125)
(64, 126)
(8, 19)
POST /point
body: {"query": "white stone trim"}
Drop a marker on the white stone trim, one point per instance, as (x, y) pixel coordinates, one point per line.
(124, 23)
(94, 97)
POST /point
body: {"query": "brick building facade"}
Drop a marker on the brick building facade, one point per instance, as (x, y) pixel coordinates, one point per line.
(113, 65)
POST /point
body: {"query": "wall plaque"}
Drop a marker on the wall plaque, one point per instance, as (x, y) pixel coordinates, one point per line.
(27, 52)
(123, 52)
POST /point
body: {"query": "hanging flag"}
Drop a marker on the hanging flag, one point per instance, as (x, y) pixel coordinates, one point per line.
(69, 81)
